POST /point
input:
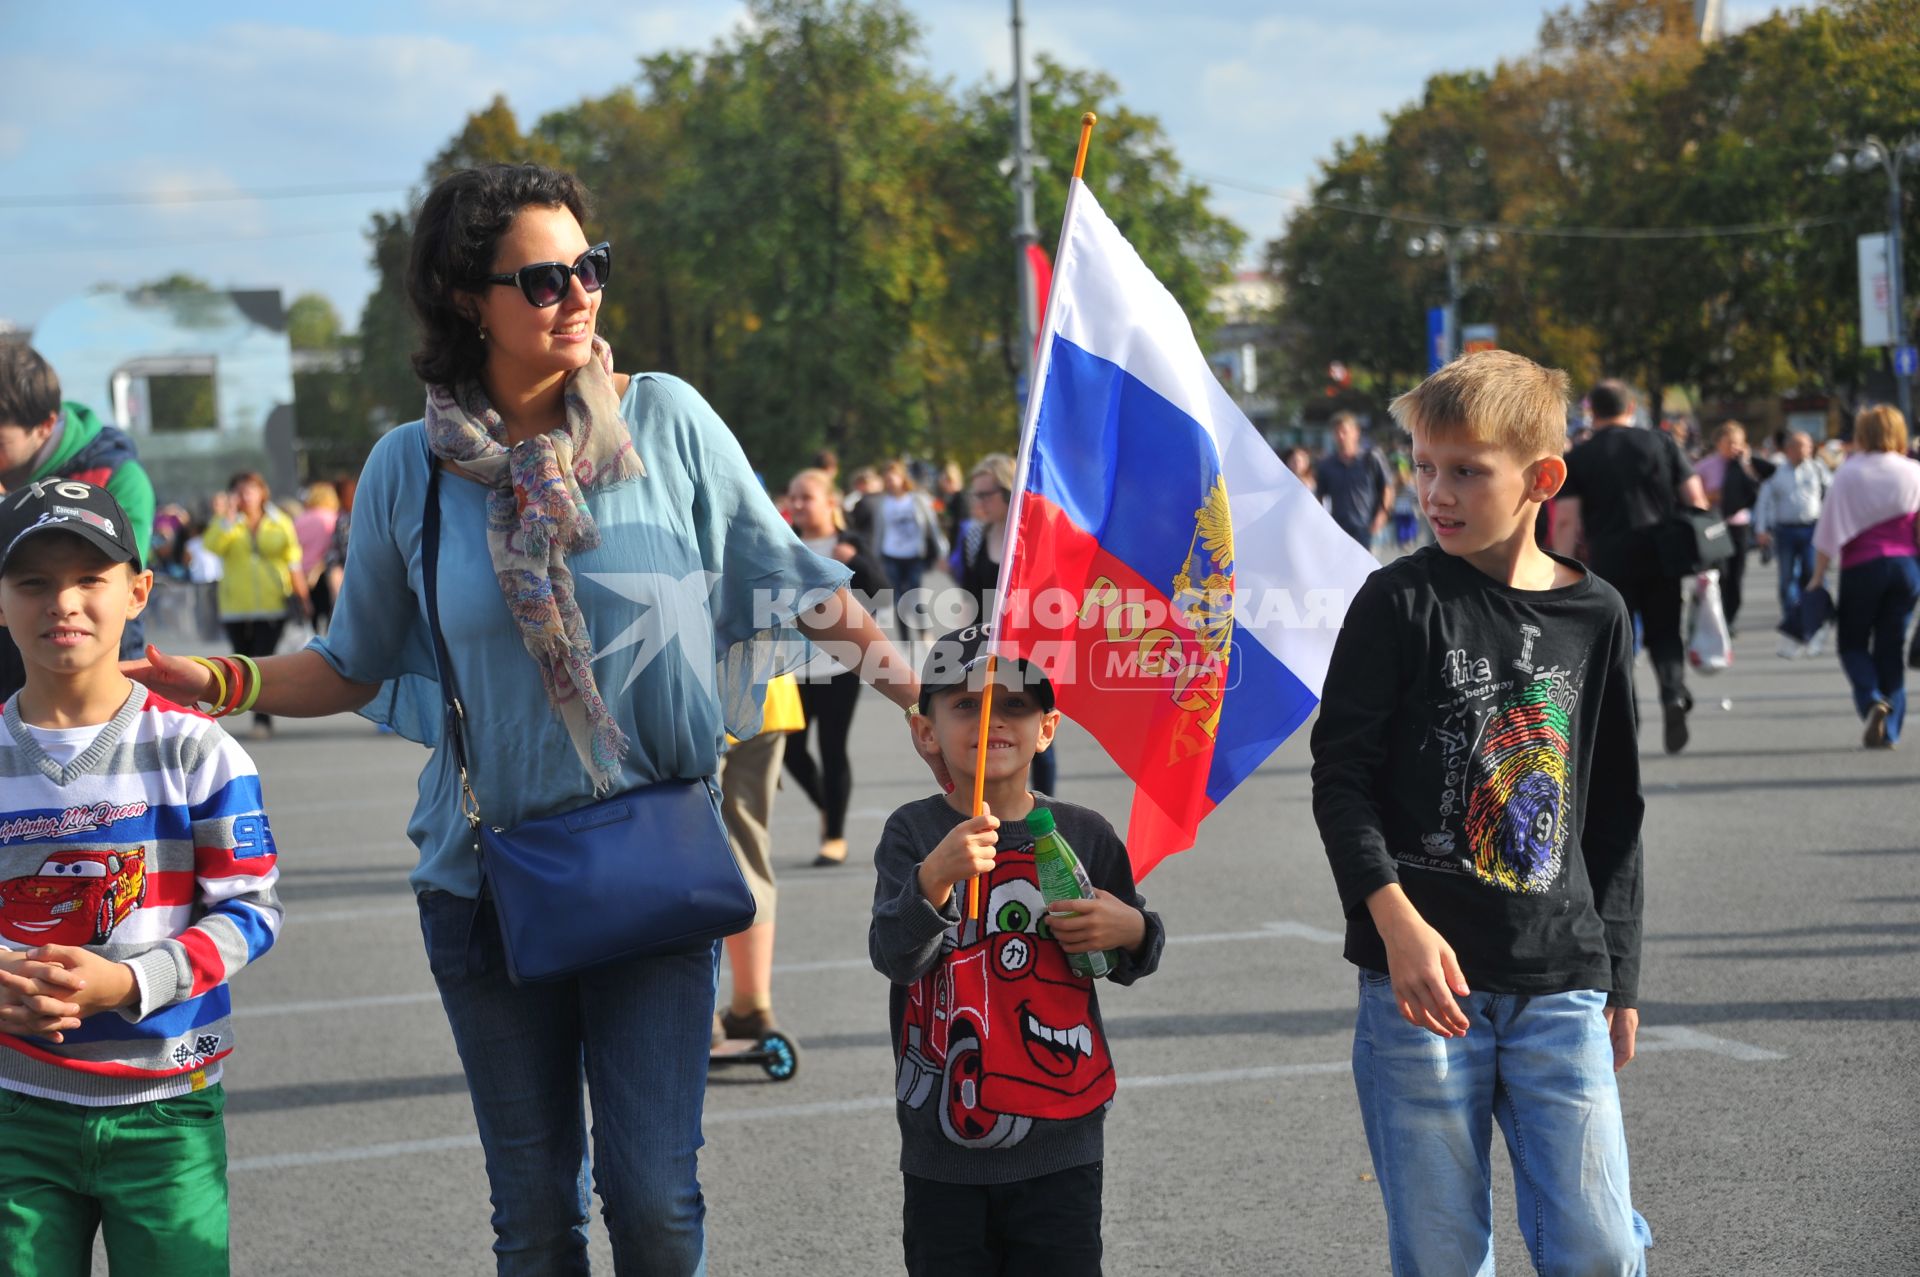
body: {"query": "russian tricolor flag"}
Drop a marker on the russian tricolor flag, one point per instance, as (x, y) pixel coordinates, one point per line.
(1181, 588)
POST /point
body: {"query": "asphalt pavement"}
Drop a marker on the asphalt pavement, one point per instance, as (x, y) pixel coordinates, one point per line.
(1772, 1116)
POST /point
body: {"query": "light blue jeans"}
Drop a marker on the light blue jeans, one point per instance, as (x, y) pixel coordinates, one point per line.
(635, 1034)
(1541, 1067)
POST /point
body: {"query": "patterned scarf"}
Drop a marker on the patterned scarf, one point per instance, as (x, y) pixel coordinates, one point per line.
(536, 516)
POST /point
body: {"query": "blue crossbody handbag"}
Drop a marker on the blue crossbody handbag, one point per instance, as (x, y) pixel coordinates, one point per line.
(641, 873)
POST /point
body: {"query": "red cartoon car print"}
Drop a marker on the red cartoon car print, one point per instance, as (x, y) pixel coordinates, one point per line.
(77, 897)
(1001, 1026)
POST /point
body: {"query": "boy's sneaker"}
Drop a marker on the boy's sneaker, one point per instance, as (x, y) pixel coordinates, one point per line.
(1818, 643)
(1791, 649)
(1676, 727)
(1875, 737)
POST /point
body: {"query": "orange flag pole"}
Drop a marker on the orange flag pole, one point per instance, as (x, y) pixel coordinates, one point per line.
(1087, 122)
(980, 775)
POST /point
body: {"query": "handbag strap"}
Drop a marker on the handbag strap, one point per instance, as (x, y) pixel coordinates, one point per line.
(456, 713)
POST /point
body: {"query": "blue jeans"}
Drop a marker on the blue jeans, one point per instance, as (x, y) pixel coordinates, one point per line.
(636, 1033)
(905, 576)
(1543, 1068)
(1793, 556)
(1876, 602)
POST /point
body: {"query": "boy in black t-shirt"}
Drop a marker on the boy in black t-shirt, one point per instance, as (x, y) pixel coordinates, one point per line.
(1476, 783)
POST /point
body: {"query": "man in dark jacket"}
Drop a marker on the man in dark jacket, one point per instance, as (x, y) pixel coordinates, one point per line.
(1622, 484)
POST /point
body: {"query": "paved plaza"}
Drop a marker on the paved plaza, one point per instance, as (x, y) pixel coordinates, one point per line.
(1772, 1115)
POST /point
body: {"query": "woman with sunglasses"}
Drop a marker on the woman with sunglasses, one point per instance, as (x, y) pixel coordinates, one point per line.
(576, 507)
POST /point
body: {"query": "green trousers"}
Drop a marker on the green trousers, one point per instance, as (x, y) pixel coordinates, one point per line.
(152, 1177)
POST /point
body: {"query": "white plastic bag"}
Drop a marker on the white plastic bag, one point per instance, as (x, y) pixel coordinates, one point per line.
(1710, 648)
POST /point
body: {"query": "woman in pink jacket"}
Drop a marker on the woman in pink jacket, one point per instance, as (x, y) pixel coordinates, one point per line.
(1870, 525)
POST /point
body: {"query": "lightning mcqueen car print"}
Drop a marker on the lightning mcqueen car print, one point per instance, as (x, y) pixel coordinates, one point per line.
(1001, 1027)
(76, 897)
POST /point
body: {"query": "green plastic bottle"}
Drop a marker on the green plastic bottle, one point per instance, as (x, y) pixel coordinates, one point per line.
(1062, 881)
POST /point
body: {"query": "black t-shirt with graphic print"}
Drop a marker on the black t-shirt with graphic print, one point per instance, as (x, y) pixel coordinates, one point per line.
(1476, 744)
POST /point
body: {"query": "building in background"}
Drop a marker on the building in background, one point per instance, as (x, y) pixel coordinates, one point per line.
(202, 379)
(1244, 312)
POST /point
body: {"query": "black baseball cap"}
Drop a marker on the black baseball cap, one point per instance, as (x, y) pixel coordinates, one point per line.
(67, 505)
(952, 658)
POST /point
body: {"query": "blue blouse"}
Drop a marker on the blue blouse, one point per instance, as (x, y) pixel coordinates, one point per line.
(688, 601)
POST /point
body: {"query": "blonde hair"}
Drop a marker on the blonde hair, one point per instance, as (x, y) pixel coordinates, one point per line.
(997, 466)
(1491, 396)
(824, 481)
(321, 495)
(1880, 428)
(1726, 428)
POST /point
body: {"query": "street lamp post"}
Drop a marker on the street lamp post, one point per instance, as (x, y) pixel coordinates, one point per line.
(1025, 233)
(1868, 154)
(1452, 244)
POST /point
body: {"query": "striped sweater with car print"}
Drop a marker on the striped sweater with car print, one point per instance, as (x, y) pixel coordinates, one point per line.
(150, 847)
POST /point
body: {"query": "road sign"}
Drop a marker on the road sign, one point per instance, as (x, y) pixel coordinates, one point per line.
(1439, 338)
(1905, 361)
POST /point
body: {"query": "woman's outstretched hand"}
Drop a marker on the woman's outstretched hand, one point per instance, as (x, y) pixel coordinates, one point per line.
(177, 678)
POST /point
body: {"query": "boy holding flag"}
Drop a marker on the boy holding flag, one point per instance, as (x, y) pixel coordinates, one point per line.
(1004, 1076)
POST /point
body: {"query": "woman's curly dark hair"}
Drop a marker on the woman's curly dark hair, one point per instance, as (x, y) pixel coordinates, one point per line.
(455, 235)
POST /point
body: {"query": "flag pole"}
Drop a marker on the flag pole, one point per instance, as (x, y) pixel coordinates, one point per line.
(1087, 122)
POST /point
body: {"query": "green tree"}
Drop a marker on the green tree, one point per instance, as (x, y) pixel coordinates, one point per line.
(313, 323)
(389, 333)
(816, 235)
(178, 284)
(1133, 171)
(1621, 119)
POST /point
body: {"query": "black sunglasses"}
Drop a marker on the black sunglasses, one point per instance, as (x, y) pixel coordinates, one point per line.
(545, 283)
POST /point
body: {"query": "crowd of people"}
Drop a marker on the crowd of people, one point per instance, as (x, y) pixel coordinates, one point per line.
(1497, 958)
(1618, 507)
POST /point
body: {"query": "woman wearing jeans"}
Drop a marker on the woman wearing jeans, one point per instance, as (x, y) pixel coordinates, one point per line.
(584, 515)
(1871, 526)
(910, 539)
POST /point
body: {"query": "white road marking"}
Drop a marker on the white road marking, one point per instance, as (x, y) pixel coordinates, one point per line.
(360, 1153)
(298, 917)
(328, 1005)
(1652, 1039)
(1674, 1037)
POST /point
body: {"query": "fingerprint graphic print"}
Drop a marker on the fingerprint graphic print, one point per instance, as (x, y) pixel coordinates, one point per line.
(1517, 811)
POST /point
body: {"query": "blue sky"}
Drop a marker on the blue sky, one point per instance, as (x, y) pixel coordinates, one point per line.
(123, 98)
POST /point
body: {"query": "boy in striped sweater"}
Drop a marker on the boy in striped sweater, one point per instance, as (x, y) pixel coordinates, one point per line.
(136, 875)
